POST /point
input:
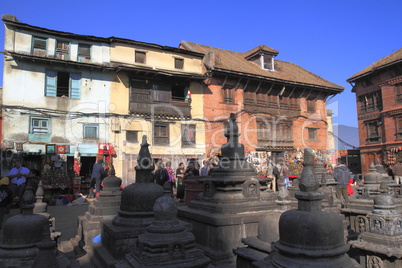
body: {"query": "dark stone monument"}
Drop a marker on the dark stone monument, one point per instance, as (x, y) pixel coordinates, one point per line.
(166, 243)
(356, 211)
(232, 202)
(380, 239)
(309, 236)
(27, 240)
(119, 236)
(260, 246)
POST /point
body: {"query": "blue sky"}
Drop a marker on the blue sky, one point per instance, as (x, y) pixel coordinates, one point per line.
(333, 39)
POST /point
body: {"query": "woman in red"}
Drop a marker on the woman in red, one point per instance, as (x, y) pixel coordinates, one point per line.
(350, 188)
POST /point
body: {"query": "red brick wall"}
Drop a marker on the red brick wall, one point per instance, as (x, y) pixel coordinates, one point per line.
(215, 109)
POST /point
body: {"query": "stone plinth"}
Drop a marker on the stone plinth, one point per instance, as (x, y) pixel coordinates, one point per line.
(103, 209)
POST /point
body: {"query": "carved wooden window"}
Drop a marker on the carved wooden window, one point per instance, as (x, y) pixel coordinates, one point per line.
(39, 46)
(227, 95)
(264, 130)
(188, 132)
(373, 131)
(161, 134)
(311, 106)
(312, 134)
(140, 56)
(370, 102)
(398, 93)
(398, 128)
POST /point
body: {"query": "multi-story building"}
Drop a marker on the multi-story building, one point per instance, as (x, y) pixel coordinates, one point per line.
(156, 91)
(69, 98)
(56, 89)
(281, 107)
(378, 89)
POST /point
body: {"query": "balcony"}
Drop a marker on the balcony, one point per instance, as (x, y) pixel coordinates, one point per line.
(273, 143)
(283, 109)
(141, 102)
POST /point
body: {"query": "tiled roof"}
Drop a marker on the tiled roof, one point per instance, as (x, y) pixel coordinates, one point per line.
(232, 61)
(386, 61)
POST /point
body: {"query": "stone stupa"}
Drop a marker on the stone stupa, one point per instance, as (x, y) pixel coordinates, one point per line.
(135, 214)
(233, 200)
(309, 236)
(380, 239)
(167, 243)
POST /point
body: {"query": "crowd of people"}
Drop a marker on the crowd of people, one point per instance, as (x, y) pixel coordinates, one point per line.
(168, 178)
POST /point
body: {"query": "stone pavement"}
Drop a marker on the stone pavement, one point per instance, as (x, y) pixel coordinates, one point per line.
(66, 219)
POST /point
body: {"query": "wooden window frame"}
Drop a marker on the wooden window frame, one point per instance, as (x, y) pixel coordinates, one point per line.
(314, 131)
(62, 52)
(140, 57)
(90, 125)
(179, 63)
(37, 47)
(373, 131)
(39, 130)
(83, 56)
(160, 138)
(185, 140)
(132, 136)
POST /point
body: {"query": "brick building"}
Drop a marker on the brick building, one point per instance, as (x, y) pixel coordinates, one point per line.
(280, 107)
(378, 89)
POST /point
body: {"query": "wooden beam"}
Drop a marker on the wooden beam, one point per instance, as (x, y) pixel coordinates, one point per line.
(224, 82)
(291, 93)
(258, 87)
(245, 87)
(269, 90)
(237, 85)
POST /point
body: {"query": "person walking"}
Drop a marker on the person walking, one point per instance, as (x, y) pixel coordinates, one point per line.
(180, 182)
(342, 176)
(18, 175)
(398, 172)
(97, 172)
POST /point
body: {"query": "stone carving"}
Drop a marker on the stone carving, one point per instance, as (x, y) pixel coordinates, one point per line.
(251, 188)
(374, 262)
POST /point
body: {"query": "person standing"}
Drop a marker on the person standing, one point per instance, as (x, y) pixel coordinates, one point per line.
(342, 176)
(284, 173)
(398, 172)
(205, 168)
(171, 176)
(18, 175)
(161, 175)
(97, 172)
(180, 182)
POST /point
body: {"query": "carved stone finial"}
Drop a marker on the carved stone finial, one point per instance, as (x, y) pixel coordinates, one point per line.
(144, 156)
(308, 180)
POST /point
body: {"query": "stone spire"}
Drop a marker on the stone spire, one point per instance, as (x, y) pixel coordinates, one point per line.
(309, 236)
(40, 206)
(136, 208)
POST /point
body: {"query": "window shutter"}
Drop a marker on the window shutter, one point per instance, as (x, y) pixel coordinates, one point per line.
(51, 82)
(75, 86)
